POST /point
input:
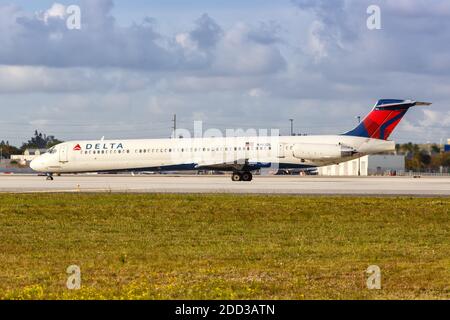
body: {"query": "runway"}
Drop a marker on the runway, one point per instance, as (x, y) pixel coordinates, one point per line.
(424, 186)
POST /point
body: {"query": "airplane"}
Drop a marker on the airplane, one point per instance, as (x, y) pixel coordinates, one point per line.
(239, 155)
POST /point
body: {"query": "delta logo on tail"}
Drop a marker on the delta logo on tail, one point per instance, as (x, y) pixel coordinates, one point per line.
(77, 148)
(383, 118)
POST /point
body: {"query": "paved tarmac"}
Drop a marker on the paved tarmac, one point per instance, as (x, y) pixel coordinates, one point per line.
(309, 185)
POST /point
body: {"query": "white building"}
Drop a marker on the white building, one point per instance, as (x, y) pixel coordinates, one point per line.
(28, 155)
(367, 165)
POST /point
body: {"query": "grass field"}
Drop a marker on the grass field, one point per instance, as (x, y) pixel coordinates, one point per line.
(223, 246)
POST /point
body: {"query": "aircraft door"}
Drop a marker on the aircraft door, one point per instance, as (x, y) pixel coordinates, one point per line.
(63, 157)
(281, 150)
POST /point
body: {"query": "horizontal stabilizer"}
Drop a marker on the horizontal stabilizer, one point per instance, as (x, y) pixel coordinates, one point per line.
(418, 103)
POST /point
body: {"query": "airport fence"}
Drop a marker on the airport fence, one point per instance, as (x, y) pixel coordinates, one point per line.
(428, 174)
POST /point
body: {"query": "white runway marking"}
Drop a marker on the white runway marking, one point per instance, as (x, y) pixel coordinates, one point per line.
(425, 186)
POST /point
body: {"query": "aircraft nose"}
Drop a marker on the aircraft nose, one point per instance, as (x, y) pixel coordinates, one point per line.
(36, 164)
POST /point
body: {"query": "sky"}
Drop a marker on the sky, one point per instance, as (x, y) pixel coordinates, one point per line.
(231, 64)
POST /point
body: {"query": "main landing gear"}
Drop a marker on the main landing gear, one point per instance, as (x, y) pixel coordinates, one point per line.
(242, 176)
(49, 176)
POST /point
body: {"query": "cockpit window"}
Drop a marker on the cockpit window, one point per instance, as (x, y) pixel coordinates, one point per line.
(51, 150)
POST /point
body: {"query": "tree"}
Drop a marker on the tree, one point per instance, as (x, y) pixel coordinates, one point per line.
(424, 158)
(409, 149)
(435, 148)
(413, 164)
(40, 141)
(446, 159)
(7, 150)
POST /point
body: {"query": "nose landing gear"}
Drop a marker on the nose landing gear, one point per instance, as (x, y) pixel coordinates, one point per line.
(242, 176)
(49, 177)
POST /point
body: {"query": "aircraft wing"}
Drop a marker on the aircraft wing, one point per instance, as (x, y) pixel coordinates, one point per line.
(238, 165)
(232, 165)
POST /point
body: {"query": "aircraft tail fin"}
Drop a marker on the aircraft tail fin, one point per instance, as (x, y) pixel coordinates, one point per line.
(383, 118)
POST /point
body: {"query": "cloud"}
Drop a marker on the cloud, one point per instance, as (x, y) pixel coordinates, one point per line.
(434, 118)
(418, 8)
(334, 18)
(239, 53)
(102, 43)
(57, 10)
(240, 50)
(413, 36)
(31, 79)
(207, 32)
(257, 93)
(267, 33)
(99, 43)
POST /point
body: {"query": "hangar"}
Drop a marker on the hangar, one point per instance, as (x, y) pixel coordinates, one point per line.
(385, 164)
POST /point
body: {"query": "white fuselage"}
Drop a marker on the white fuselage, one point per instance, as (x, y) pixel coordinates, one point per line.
(232, 154)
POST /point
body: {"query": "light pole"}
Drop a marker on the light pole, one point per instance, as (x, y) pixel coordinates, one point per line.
(359, 158)
(292, 126)
(174, 128)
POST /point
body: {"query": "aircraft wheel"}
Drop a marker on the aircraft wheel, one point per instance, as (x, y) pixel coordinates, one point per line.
(247, 176)
(236, 176)
(50, 178)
